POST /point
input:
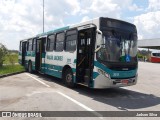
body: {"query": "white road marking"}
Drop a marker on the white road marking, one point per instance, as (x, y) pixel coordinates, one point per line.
(38, 80)
(71, 99)
(82, 105)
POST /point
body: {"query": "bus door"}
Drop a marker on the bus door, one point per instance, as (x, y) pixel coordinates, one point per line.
(23, 52)
(40, 54)
(85, 56)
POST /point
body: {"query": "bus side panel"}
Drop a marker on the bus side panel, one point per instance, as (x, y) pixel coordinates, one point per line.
(30, 57)
(33, 60)
(56, 61)
(43, 65)
(50, 65)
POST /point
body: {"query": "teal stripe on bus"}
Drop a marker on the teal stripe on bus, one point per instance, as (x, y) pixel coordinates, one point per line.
(33, 54)
(122, 74)
(20, 53)
(56, 67)
(54, 70)
(95, 74)
(52, 73)
(53, 31)
(33, 65)
(43, 55)
(75, 61)
(30, 53)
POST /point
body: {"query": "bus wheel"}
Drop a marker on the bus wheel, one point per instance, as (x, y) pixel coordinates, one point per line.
(30, 67)
(68, 78)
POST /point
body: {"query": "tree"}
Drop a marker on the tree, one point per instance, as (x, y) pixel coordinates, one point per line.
(3, 53)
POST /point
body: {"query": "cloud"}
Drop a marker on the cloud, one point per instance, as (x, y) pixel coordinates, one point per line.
(134, 7)
(62, 7)
(85, 18)
(22, 19)
(154, 5)
(108, 8)
(148, 25)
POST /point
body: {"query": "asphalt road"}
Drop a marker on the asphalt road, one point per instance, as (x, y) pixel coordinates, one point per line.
(35, 92)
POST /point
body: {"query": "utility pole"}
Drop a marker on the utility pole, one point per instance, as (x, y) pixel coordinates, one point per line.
(43, 16)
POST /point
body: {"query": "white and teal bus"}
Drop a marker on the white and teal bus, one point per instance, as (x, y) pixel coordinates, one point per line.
(100, 53)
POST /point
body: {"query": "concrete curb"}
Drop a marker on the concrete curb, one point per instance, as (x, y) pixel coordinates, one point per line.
(6, 75)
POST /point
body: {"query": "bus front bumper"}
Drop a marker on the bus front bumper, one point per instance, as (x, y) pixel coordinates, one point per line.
(103, 82)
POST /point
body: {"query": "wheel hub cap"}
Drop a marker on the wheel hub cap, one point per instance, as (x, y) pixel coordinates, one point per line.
(69, 78)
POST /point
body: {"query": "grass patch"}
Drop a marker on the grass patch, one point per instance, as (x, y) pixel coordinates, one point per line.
(11, 58)
(8, 69)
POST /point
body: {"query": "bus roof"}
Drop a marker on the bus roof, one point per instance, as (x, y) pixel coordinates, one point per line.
(27, 39)
(91, 21)
(53, 31)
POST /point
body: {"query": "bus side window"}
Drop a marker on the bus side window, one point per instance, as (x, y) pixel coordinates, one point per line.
(50, 43)
(29, 45)
(26, 46)
(71, 38)
(59, 41)
(44, 45)
(34, 44)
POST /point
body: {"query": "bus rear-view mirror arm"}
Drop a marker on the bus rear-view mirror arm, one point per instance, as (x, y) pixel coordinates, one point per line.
(98, 48)
(99, 32)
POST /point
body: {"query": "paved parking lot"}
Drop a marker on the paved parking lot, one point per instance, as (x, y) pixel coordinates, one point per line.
(35, 92)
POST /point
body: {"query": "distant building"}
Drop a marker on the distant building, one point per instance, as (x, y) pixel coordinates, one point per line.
(149, 43)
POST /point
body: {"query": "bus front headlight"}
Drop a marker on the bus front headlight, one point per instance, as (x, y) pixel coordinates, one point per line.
(103, 73)
(106, 75)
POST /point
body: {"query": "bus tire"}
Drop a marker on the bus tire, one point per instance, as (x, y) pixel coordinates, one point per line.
(30, 67)
(68, 78)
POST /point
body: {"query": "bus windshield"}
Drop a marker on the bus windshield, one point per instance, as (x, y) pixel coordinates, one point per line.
(118, 47)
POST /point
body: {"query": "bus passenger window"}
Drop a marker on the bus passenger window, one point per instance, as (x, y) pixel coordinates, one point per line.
(34, 44)
(59, 41)
(71, 38)
(44, 45)
(30, 45)
(50, 43)
(71, 42)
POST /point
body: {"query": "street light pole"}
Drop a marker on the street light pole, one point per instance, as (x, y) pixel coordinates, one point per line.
(43, 16)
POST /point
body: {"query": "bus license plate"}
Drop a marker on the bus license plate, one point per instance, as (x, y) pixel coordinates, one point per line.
(124, 81)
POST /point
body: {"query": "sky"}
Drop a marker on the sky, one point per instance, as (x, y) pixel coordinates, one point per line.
(21, 19)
